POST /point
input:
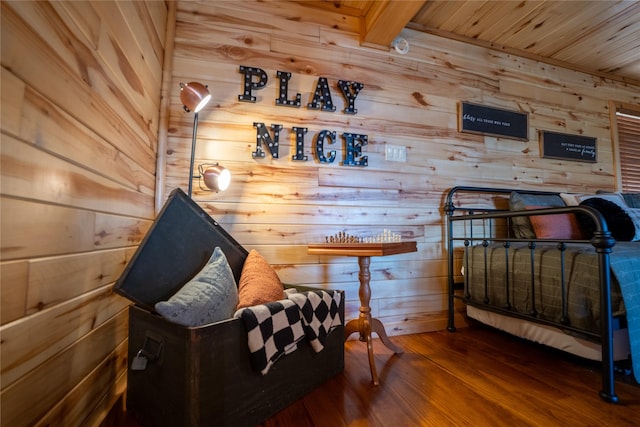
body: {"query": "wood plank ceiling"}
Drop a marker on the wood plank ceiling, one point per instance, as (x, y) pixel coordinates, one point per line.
(598, 37)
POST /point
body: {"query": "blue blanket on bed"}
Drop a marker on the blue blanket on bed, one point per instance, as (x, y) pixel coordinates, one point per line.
(625, 265)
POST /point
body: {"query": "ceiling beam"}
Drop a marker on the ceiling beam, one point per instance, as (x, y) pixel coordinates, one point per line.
(385, 19)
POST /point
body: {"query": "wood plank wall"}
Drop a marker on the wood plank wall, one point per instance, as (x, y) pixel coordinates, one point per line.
(278, 205)
(81, 85)
(81, 111)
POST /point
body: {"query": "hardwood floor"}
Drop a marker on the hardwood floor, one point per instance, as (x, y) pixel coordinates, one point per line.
(476, 376)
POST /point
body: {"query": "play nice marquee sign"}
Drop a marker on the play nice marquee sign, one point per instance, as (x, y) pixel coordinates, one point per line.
(256, 79)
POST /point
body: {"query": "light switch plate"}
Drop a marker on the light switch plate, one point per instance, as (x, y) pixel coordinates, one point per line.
(395, 153)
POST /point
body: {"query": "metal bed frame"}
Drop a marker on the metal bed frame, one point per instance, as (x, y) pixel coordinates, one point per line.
(601, 240)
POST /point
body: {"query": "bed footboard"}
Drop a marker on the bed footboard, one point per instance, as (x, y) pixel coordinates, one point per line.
(479, 219)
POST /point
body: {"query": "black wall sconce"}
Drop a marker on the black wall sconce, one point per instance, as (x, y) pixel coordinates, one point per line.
(194, 97)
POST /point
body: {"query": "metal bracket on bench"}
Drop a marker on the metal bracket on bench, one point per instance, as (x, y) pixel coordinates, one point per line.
(150, 351)
(152, 348)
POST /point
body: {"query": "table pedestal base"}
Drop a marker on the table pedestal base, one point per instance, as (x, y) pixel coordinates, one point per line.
(365, 325)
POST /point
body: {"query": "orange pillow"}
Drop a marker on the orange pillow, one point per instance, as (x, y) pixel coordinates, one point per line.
(259, 282)
(557, 226)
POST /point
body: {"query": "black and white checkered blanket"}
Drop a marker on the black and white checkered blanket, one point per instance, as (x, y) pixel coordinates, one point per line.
(319, 314)
(274, 329)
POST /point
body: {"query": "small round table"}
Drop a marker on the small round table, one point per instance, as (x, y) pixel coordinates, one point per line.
(365, 324)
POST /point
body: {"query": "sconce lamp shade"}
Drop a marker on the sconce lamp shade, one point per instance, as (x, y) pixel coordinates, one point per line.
(194, 96)
(215, 177)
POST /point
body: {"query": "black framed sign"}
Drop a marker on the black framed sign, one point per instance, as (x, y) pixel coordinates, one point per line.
(474, 118)
(563, 146)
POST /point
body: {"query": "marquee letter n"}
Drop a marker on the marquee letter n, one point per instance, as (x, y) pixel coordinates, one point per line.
(262, 135)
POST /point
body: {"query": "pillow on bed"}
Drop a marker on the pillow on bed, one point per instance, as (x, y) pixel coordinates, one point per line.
(556, 226)
(522, 227)
(623, 223)
(210, 296)
(259, 282)
(576, 199)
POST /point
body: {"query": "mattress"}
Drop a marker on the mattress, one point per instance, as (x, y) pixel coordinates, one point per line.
(551, 336)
